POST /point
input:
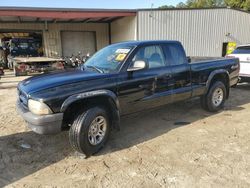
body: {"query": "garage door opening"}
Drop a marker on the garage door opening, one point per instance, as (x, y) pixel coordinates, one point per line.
(20, 44)
(78, 43)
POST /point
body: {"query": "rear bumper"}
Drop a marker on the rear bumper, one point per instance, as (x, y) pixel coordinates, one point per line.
(244, 77)
(45, 124)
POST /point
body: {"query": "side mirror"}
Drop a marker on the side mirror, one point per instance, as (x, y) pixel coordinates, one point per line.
(137, 65)
(189, 59)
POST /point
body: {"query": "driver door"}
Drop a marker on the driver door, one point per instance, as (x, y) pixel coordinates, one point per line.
(146, 88)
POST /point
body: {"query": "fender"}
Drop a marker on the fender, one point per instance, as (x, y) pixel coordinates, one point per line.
(114, 102)
(213, 74)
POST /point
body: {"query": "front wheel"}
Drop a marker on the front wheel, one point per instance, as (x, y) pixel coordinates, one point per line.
(90, 131)
(215, 98)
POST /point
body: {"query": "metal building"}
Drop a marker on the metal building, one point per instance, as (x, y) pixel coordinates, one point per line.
(203, 32)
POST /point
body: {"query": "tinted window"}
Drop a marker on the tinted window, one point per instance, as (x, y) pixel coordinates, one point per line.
(174, 54)
(242, 50)
(152, 55)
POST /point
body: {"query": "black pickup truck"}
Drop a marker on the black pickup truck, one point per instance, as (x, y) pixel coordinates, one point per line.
(120, 79)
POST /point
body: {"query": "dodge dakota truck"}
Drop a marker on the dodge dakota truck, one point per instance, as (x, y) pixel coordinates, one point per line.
(120, 79)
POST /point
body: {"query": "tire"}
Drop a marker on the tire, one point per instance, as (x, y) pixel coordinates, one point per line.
(81, 135)
(215, 98)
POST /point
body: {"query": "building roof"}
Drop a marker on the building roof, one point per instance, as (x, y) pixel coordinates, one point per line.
(66, 15)
(26, 14)
(206, 8)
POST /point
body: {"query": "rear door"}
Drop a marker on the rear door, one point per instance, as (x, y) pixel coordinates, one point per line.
(180, 81)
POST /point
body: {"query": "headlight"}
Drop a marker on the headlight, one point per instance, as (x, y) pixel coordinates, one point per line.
(39, 108)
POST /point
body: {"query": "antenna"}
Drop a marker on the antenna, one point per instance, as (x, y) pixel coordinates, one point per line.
(151, 13)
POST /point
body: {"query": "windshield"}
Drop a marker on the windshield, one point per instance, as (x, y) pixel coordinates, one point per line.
(242, 50)
(108, 59)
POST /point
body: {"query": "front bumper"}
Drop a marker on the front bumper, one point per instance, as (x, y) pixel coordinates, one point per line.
(45, 124)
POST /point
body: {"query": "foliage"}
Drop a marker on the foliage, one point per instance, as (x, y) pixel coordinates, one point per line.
(181, 5)
(239, 4)
(166, 6)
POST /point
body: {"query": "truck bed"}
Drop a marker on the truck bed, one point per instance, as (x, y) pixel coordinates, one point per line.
(198, 59)
(201, 67)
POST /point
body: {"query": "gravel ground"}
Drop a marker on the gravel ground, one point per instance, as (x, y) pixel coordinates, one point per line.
(178, 145)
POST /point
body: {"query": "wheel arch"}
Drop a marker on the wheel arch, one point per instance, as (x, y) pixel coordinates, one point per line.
(105, 98)
(219, 75)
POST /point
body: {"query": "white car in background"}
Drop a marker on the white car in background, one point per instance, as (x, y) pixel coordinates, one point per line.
(243, 53)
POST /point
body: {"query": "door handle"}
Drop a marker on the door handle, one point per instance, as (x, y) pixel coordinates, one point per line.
(145, 86)
(167, 77)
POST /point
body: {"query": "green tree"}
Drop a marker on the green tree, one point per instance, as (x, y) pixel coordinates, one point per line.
(204, 3)
(240, 4)
(198, 4)
(181, 5)
(166, 6)
(246, 5)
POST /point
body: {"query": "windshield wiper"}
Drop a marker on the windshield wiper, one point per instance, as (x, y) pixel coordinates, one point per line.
(95, 68)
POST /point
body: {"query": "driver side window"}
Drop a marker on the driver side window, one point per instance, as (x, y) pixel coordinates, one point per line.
(152, 55)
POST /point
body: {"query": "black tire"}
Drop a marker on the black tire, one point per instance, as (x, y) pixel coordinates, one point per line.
(207, 100)
(79, 131)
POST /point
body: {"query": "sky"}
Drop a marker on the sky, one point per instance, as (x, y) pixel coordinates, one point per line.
(106, 4)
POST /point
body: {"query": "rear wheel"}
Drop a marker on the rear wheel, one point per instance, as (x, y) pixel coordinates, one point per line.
(215, 98)
(90, 131)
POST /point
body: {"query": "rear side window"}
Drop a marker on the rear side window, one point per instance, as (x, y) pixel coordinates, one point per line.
(242, 50)
(174, 54)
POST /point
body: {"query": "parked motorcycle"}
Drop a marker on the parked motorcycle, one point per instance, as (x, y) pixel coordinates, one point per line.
(74, 61)
(85, 57)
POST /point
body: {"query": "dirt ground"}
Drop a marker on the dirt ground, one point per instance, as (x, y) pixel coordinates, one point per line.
(179, 145)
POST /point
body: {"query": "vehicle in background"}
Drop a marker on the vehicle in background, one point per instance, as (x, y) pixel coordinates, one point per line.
(32, 65)
(26, 57)
(121, 79)
(243, 53)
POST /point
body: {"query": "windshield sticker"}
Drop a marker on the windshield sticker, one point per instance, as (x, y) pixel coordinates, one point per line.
(122, 51)
(120, 57)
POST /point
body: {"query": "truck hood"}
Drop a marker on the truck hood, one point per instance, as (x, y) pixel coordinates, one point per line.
(46, 81)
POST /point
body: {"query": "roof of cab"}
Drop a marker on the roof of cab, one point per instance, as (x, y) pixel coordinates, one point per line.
(143, 42)
(243, 45)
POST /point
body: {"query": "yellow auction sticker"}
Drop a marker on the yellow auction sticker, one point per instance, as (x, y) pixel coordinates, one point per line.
(120, 57)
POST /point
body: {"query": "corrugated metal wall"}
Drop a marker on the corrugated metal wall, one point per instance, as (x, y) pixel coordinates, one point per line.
(52, 36)
(123, 29)
(201, 31)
